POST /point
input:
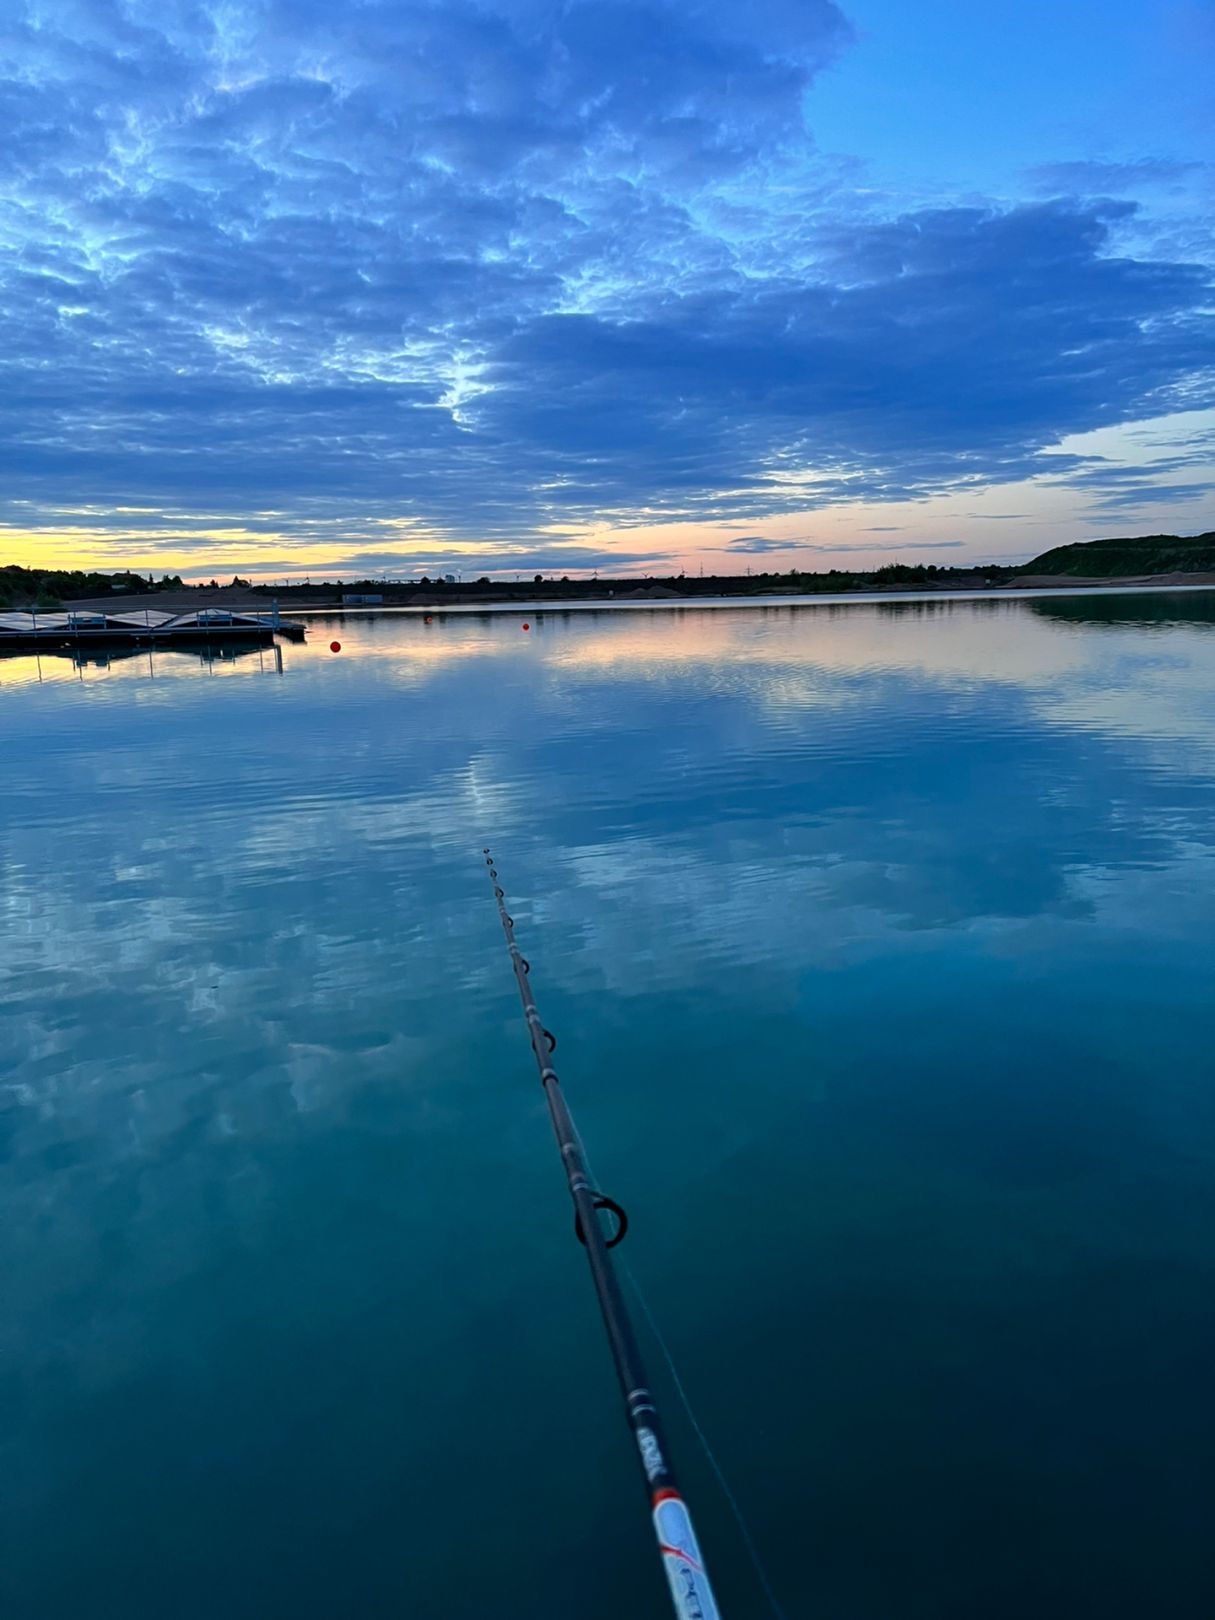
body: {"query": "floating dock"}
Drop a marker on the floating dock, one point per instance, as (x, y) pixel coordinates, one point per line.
(143, 627)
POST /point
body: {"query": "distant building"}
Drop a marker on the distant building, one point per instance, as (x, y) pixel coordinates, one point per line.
(360, 600)
(449, 579)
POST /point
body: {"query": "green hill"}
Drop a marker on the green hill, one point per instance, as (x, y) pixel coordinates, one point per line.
(1115, 559)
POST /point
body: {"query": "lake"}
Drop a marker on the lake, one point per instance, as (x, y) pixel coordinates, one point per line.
(878, 939)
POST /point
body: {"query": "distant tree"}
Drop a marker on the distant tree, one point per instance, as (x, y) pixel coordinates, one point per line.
(539, 580)
(484, 580)
(901, 573)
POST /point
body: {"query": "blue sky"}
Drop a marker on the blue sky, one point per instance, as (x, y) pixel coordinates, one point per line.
(390, 287)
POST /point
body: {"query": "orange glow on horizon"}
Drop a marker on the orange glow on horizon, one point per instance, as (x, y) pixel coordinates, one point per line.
(958, 526)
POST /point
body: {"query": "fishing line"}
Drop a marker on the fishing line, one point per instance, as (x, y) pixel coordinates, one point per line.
(686, 1400)
(697, 1427)
(691, 1593)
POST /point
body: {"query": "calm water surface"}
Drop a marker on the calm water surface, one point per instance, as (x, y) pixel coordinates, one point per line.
(879, 940)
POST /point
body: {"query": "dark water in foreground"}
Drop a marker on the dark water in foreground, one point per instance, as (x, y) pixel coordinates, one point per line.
(880, 944)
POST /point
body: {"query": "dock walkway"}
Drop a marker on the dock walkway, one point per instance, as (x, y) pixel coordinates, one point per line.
(82, 627)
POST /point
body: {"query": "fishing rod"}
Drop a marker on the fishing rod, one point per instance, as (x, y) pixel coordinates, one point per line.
(691, 1593)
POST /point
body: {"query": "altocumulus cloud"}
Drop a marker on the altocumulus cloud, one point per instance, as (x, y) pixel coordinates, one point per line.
(496, 268)
(758, 544)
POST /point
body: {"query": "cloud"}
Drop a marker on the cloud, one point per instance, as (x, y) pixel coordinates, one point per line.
(499, 269)
(1112, 486)
(1097, 179)
(886, 546)
(1147, 493)
(758, 543)
(963, 343)
(551, 561)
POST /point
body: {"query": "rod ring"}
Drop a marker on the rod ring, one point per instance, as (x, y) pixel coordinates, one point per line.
(602, 1201)
(551, 1039)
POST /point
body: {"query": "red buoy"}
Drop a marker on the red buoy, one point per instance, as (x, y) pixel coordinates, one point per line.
(428, 619)
(335, 646)
(526, 626)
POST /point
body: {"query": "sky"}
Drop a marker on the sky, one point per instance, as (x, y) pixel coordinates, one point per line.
(385, 288)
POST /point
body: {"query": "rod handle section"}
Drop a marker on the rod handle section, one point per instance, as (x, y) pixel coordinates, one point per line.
(691, 1593)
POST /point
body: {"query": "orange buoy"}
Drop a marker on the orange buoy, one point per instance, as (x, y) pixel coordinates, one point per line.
(335, 646)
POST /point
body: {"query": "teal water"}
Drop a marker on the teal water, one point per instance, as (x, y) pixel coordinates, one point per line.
(879, 942)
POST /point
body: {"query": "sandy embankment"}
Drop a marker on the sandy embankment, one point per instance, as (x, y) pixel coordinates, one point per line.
(1031, 582)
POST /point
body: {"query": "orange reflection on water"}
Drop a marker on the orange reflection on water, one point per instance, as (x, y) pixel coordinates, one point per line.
(982, 639)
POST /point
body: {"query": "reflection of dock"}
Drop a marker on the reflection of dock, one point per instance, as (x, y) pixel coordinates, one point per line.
(143, 627)
(43, 662)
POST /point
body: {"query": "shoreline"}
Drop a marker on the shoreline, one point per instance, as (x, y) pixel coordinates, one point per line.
(802, 599)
